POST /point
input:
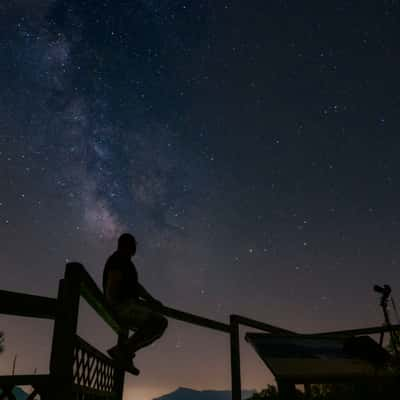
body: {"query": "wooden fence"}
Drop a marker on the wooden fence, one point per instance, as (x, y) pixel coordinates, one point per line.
(79, 371)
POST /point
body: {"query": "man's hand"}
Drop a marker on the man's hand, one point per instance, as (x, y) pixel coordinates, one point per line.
(156, 303)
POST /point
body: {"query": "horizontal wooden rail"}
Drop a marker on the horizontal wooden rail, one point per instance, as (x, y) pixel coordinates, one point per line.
(360, 331)
(24, 380)
(27, 305)
(260, 325)
(194, 319)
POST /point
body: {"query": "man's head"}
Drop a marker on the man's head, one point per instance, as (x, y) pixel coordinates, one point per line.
(127, 244)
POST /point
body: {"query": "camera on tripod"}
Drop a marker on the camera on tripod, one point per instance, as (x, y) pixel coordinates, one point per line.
(385, 292)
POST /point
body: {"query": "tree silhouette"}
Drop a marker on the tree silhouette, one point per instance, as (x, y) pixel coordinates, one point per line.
(271, 393)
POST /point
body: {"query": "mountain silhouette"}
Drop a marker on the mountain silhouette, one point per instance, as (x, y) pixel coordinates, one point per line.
(191, 394)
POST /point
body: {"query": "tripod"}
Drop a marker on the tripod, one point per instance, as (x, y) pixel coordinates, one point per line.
(385, 292)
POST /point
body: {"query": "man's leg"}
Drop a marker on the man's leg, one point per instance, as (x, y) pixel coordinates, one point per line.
(129, 315)
(148, 326)
(151, 330)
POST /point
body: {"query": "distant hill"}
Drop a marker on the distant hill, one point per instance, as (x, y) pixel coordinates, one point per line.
(190, 394)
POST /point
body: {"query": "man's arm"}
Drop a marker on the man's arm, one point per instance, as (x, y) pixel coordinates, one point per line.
(145, 295)
(113, 284)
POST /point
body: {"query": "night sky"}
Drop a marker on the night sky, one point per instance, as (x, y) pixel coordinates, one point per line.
(251, 147)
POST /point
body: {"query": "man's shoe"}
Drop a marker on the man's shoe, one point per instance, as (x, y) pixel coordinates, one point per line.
(123, 360)
(129, 367)
(114, 351)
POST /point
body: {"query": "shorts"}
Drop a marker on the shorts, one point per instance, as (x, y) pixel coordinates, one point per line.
(133, 313)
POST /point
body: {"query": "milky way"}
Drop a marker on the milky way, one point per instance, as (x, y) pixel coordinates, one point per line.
(111, 152)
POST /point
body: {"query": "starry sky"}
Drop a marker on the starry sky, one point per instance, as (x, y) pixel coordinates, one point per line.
(251, 147)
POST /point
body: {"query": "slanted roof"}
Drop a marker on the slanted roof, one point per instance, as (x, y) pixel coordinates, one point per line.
(304, 358)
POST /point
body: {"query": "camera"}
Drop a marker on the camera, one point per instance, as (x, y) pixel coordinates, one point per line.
(384, 290)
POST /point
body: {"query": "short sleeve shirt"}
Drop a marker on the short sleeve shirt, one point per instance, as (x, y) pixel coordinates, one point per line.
(128, 285)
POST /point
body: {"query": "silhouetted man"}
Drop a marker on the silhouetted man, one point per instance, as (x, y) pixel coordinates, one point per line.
(128, 298)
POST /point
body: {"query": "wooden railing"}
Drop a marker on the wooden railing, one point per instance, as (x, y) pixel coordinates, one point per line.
(77, 369)
(80, 371)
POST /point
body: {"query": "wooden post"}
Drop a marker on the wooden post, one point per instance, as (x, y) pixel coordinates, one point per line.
(120, 373)
(62, 354)
(235, 359)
